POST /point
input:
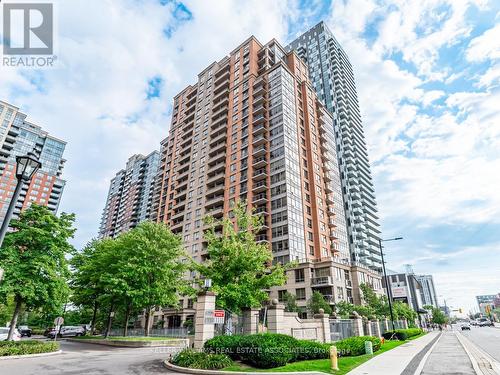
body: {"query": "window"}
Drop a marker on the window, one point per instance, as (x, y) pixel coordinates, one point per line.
(281, 295)
(299, 275)
(300, 294)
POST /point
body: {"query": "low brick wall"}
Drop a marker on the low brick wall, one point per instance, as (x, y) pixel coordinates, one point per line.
(177, 343)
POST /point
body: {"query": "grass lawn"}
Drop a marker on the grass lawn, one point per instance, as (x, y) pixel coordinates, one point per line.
(125, 338)
(346, 364)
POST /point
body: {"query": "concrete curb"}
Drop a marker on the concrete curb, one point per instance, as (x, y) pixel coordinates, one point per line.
(176, 343)
(3, 358)
(466, 343)
(185, 370)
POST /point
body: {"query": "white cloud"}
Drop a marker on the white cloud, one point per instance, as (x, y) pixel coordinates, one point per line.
(486, 46)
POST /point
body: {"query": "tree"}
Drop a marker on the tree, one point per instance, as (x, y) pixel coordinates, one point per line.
(240, 269)
(316, 302)
(152, 267)
(378, 304)
(438, 317)
(34, 259)
(290, 302)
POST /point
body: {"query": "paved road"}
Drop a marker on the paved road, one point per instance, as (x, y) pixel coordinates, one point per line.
(487, 339)
(90, 359)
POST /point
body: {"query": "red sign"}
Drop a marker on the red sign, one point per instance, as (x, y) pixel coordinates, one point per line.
(219, 313)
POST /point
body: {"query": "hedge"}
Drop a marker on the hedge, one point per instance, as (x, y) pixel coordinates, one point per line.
(354, 346)
(270, 350)
(402, 334)
(201, 360)
(8, 348)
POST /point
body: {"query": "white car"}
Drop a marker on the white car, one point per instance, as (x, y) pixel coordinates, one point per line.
(465, 326)
(4, 333)
(68, 331)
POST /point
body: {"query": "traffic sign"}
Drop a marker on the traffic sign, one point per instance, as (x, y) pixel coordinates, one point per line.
(59, 321)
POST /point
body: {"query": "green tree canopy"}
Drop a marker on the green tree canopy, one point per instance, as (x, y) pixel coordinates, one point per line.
(438, 317)
(316, 302)
(34, 259)
(240, 269)
(291, 302)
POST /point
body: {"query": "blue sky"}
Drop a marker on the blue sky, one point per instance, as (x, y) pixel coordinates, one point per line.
(428, 83)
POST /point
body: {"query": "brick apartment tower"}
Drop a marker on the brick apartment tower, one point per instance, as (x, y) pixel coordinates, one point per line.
(19, 137)
(130, 195)
(252, 129)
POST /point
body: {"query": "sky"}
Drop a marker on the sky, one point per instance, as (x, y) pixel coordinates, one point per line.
(428, 80)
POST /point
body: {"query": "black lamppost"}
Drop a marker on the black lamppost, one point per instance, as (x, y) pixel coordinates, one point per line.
(26, 167)
(389, 291)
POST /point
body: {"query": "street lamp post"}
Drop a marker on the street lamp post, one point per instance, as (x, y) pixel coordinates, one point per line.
(26, 167)
(389, 291)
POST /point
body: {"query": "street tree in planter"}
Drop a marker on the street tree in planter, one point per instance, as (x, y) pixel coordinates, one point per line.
(240, 268)
(33, 257)
(152, 267)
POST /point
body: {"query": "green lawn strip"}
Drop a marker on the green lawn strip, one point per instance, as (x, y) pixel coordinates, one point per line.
(125, 338)
(346, 364)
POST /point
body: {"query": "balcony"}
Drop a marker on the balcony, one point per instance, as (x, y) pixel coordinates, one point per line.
(259, 174)
(259, 139)
(260, 108)
(261, 118)
(259, 129)
(217, 157)
(259, 186)
(321, 281)
(215, 189)
(260, 161)
(259, 198)
(259, 151)
(261, 238)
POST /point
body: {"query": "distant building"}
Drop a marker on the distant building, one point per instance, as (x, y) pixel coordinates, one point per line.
(20, 137)
(405, 288)
(428, 292)
(130, 195)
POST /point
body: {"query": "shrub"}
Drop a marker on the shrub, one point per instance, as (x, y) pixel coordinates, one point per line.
(224, 345)
(354, 346)
(267, 350)
(263, 350)
(37, 331)
(402, 334)
(307, 349)
(201, 360)
(27, 347)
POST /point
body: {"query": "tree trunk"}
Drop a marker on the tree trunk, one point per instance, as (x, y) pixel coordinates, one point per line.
(94, 318)
(13, 321)
(127, 316)
(148, 318)
(110, 319)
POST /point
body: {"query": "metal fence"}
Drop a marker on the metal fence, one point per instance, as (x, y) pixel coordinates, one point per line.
(341, 329)
(382, 327)
(374, 326)
(180, 332)
(398, 324)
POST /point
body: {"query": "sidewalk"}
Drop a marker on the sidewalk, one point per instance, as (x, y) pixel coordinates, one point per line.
(395, 361)
(448, 357)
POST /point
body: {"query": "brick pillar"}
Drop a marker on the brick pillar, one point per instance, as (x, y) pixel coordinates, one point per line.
(325, 334)
(275, 317)
(250, 321)
(368, 328)
(203, 332)
(377, 332)
(357, 323)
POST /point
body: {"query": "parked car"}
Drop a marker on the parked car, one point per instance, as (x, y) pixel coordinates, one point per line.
(25, 331)
(465, 326)
(67, 331)
(47, 331)
(4, 333)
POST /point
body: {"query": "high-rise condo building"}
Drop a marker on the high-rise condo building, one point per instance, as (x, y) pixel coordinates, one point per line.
(428, 291)
(332, 78)
(130, 195)
(252, 129)
(20, 137)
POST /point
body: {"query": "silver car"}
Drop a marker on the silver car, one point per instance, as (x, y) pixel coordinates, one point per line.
(68, 331)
